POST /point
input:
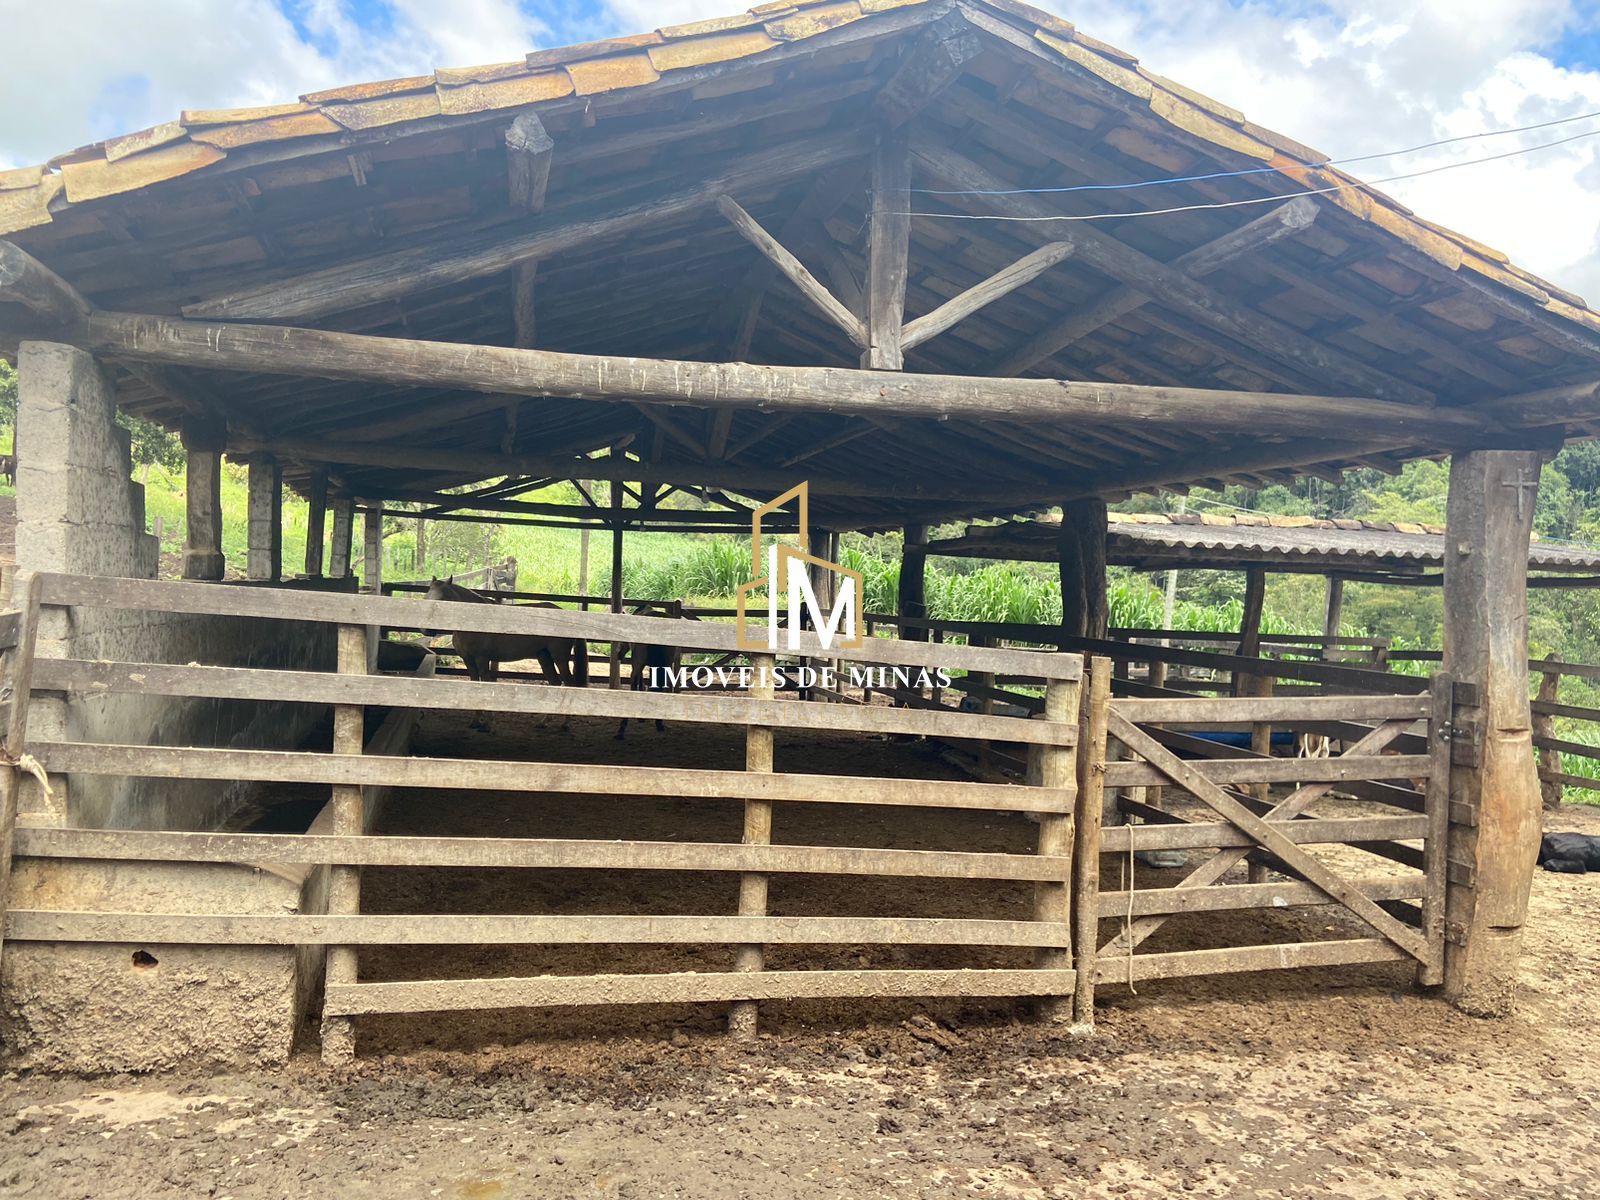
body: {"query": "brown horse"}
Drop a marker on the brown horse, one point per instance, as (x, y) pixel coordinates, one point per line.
(563, 661)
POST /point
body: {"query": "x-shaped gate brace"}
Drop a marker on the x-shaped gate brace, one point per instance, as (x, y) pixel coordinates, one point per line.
(1263, 830)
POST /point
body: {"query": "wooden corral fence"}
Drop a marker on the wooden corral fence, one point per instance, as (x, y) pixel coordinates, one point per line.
(1546, 676)
(1052, 736)
(1149, 743)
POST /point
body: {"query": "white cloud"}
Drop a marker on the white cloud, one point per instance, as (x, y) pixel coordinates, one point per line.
(1346, 76)
(1351, 81)
(80, 70)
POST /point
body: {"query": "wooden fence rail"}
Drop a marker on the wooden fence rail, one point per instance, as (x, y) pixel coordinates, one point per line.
(350, 691)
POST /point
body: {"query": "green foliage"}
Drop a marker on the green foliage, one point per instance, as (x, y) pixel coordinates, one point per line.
(8, 395)
(152, 445)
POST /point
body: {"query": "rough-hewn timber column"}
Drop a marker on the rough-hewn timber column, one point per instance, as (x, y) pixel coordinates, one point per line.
(265, 524)
(1081, 556)
(344, 520)
(1494, 787)
(1084, 521)
(888, 250)
(1334, 614)
(913, 582)
(316, 520)
(202, 549)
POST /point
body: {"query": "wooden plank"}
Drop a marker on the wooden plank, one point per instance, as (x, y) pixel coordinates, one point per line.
(311, 687)
(1571, 781)
(1187, 964)
(170, 762)
(792, 269)
(1565, 746)
(1266, 834)
(418, 929)
(1247, 710)
(1354, 678)
(1278, 770)
(565, 853)
(349, 608)
(544, 991)
(1193, 835)
(1233, 897)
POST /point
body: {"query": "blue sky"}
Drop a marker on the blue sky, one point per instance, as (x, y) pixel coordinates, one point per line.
(1346, 76)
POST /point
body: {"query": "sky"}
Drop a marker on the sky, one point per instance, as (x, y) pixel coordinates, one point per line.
(1349, 77)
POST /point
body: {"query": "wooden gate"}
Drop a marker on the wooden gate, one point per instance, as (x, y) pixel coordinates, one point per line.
(1252, 808)
(345, 849)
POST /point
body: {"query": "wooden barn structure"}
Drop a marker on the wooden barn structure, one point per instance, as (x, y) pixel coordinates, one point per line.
(879, 246)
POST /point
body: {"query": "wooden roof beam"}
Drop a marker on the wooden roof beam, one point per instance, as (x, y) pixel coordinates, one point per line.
(456, 257)
(1176, 289)
(809, 286)
(316, 353)
(1287, 220)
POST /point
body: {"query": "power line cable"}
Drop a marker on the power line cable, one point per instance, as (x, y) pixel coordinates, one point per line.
(1272, 199)
(1331, 162)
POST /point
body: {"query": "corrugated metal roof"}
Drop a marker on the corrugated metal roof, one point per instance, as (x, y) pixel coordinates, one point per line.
(1240, 540)
(198, 139)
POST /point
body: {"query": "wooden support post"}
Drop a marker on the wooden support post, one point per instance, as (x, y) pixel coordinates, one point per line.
(1052, 902)
(757, 832)
(1260, 743)
(265, 518)
(583, 567)
(1086, 841)
(316, 521)
(1435, 847)
(913, 582)
(528, 150)
(1494, 787)
(421, 567)
(344, 515)
(349, 819)
(372, 551)
(1255, 598)
(888, 251)
(1544, 728)
(202, 546)
(1333, 618)
(17, 679)
(1085, 522)
(616, 576)
(1069, 560)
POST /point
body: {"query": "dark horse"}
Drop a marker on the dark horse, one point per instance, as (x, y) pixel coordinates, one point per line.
(651, 668)
(563, 661)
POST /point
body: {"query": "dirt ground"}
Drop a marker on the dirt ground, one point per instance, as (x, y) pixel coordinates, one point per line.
(1319, 1083)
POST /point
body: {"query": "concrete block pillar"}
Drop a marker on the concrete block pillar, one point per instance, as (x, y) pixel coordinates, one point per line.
(372, 551)
(265, 518)
(204, 441)
(344, 519)
(1494, 786)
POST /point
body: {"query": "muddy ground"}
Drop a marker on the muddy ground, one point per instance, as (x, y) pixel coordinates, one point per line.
(1321, 1083)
